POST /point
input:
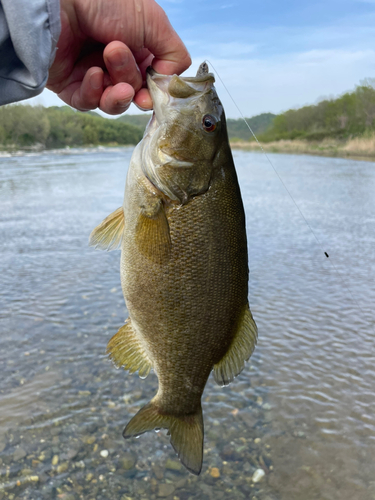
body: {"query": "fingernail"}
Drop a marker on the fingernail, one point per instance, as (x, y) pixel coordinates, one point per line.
(96, 80)
(118, 59)
(143, 109)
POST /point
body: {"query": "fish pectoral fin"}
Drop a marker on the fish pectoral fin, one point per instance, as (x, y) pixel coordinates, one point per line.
(126, 351)
(152, 234)
(240, 350)
(186, 432)
(108, 235)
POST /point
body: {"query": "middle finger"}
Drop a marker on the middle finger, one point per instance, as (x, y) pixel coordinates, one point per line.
(121, 65)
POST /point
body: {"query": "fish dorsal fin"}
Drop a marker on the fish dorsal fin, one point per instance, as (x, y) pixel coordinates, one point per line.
(108, 235)
(240, 350)
(152, 234)
(125, 351)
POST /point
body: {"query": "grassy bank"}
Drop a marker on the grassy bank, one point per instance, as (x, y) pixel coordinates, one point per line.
(357, 147)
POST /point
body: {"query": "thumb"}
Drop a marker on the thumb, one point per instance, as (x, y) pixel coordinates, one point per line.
(171, 55)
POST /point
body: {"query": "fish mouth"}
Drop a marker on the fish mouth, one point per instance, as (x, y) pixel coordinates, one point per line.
(203, 75)
(167, 90)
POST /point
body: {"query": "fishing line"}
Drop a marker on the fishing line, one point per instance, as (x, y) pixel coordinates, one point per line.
(287, 190)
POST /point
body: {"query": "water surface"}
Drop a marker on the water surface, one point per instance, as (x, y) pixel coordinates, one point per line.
(303, 409)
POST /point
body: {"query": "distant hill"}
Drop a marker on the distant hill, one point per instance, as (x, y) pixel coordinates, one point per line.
(259, 124)
(236, 128)
(139, 121)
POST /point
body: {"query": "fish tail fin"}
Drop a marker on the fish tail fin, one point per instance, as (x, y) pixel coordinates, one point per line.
(186, 432)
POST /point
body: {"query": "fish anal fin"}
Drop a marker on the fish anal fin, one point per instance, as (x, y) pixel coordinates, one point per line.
(240, 350)
(108, 235)
(152, 235)
(125, 350)
(186, 432)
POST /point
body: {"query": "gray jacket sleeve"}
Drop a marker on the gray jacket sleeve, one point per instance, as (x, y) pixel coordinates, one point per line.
(29, 30)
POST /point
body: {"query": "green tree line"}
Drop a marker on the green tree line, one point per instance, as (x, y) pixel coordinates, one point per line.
(349, 115)
(237, 129)
(56, 127)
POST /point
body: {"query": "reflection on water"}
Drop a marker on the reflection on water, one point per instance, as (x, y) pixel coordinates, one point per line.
(303, 410)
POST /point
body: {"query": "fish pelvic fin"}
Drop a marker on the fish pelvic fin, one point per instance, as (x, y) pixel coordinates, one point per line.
(108, 235)
(186, 432)
(240, 350)
(125, 350)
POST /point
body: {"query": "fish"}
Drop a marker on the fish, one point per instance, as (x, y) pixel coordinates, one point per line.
(184, 261)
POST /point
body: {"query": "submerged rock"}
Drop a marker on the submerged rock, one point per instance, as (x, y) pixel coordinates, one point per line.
(258, 475)
(173, 465)
(90, 439)
(165, 490)
(214, 472)
(128, 460)
(62, 467)
(19, 454)
(158, 471)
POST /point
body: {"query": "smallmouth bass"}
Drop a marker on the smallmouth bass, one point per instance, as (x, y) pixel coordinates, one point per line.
(184, 263)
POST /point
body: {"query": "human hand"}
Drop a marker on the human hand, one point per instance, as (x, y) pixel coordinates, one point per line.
(104, 49)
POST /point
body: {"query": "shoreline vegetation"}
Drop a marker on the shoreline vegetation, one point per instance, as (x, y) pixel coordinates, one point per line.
(342, 126)
(356, 147)
(25, 127)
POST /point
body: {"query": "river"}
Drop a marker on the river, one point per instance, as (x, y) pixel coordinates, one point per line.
(303, 410)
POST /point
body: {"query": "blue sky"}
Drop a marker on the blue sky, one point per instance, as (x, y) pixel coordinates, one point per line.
(275, 55)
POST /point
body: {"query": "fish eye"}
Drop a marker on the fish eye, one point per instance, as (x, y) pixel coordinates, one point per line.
(209, 123)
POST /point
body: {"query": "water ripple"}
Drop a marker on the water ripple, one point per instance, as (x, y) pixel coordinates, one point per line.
(306, 396)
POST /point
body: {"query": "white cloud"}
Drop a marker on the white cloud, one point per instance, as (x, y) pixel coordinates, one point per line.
(279, 83)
